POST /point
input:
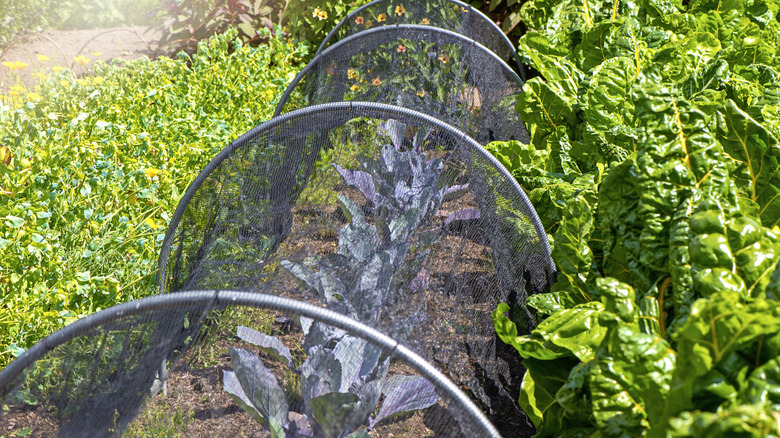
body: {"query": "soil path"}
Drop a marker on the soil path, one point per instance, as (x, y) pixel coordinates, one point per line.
(61, 46)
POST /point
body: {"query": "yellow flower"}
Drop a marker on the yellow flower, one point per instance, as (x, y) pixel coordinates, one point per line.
(369, 23)
(40, 76)
(376, 81)
(18, 89)
(64, 83)
(16, 65)
(82, 82)
(400, 10)
(425, 21)
(354, 87)
(352, 74)
(381, 18)
(33, 96)
(444, 58)
(96, 54)
(319, 14)
(421, 93)
(57, 69)
(152, 172)
(81, 60)
(43, 58)
(464, 9)
(97, 80)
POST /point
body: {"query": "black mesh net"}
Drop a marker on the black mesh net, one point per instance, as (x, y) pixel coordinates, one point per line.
(374, 206)
(431, 70)
(451, 15)
(383, 214)
(297, 370)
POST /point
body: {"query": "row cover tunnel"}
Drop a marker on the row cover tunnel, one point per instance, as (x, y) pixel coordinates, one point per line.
(371, 228)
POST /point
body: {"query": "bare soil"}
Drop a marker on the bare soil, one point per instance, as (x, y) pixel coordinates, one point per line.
(61, 46)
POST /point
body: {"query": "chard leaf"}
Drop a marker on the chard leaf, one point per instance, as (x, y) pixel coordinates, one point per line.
(259, 386)
(542, 380)
(609, 107)
(545, 108)
(359, 180)
(630, 381)
(570, 332)
(405, 394)
(763, 385)
(268, 344)
(573, 255)
(715, 340)
(756, 149)
(334, 413)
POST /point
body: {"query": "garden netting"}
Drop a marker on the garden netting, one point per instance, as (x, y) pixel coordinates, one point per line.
(451, 15)
(373, 232)
(317, 373)
(434, 71)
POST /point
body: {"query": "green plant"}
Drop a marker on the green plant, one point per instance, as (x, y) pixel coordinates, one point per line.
(91, 172)
(185, 22)
(654, 164)
(311, 20)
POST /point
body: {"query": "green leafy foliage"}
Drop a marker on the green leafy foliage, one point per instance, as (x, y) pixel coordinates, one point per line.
(184, 23)
(653, 163)
(93, 169)
(311, 20)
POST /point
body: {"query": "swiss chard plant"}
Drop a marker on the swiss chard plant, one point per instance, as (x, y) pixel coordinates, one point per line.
(654, 165)
(344, 377)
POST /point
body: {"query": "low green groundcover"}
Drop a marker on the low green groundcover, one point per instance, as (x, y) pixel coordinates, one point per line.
(91, 169)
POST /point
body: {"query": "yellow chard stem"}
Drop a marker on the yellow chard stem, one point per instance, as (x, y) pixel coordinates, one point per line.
(614, 9)
(588, 19)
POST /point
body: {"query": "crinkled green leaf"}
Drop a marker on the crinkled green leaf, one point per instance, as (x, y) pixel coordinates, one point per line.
(572, 254)
(756, 149)
(543, 379)
(715, 344)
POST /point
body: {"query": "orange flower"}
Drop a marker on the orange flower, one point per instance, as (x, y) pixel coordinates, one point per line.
(421, 93)
(401, 48)
(425, 21)
(400, 10)
(376, 81)
(152, 172)
(359, 20)
(464, 9)
(381, 18)
(369, 23)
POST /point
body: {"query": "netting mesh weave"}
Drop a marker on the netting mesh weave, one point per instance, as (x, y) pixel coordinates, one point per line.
(343, 258)
(451, 15)
(92, 378)
(431, 70)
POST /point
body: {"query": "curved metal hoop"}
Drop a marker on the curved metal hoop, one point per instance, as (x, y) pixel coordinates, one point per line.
(372, 109)
(468, 8)
(383, 35)
(215, 299)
